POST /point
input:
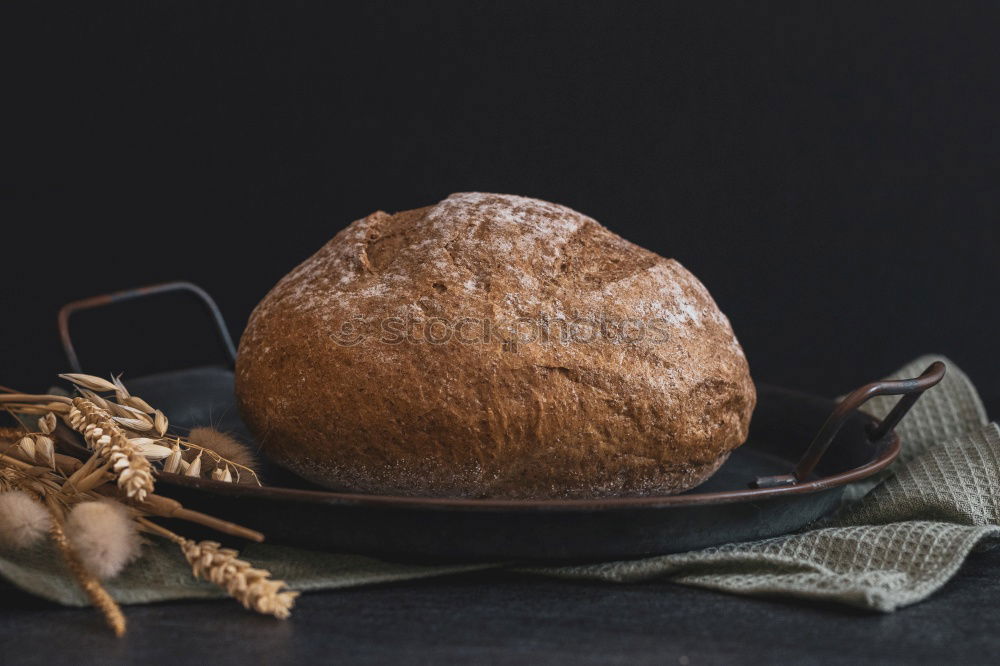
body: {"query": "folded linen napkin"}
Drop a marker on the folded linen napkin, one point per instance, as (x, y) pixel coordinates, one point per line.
(894, 542)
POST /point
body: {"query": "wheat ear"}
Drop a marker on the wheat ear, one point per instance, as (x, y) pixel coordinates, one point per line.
(106, 438)
(254, 588)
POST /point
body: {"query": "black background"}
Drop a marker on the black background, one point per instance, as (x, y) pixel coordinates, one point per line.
(829, 173)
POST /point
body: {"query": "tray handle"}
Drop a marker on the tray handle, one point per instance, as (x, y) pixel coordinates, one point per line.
(910, 389)
(133, 294)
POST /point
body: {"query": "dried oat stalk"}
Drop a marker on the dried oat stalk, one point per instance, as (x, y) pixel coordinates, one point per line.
(147, 429)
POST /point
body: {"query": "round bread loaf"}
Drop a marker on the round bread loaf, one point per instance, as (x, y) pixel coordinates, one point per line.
(493, 346)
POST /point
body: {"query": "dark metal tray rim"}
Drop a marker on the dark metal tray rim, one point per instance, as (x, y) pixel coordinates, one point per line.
(886, 451)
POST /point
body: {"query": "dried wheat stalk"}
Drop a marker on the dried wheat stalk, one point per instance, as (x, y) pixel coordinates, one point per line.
(107, 440)
(251, 587)
(254, 588)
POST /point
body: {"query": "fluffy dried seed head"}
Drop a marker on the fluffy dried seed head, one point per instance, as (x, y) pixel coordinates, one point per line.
(227, 446)
(104, 536)
(23, 520)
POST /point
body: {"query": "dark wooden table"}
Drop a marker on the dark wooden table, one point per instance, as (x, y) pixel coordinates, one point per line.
(500, 619)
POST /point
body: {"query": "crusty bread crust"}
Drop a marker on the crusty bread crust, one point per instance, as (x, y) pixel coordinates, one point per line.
(543, 356)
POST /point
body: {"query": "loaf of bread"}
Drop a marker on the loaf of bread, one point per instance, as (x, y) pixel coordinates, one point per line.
(493, 346)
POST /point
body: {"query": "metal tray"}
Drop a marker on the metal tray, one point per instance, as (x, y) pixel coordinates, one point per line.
(801, 452)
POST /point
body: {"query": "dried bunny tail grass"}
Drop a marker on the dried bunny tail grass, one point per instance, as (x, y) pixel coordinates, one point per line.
(107, 440)
(227, 446)
(92, 587)
(253, 588)
(104, 536)
(23, 519)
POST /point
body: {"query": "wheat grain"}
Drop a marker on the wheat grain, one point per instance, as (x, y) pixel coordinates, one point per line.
(128, 412)
(135, 425)
(194, 468)
(89, 381)
(222, 474)
(149, 448)
(160, 423)
(47, 424)
(140, 404)
(27, 447)
(45, 451)
(172, 464)
(94, 398)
